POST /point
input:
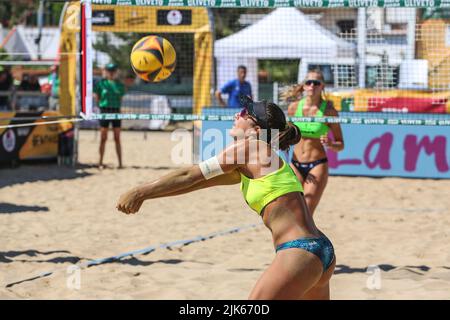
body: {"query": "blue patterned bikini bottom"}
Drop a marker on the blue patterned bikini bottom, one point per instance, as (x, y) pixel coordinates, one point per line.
(320, 246)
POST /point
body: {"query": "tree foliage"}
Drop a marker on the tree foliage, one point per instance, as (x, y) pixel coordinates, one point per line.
(24, 12)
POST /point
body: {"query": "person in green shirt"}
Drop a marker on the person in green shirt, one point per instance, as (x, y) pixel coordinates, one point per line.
(108, 93)
(53, 80)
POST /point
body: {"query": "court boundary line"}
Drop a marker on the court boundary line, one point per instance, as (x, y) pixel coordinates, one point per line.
(133, 253)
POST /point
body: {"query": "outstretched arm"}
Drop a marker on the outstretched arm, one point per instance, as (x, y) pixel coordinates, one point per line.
(179, 182)
(233, 177)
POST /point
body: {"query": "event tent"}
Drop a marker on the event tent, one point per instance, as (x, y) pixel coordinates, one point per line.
(285, 33)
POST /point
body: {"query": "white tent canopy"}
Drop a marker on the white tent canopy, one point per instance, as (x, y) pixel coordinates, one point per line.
(22, 43)
(285, 33)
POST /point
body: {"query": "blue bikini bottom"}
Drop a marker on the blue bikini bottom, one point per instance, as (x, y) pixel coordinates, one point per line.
(305, 167)
(321, 247)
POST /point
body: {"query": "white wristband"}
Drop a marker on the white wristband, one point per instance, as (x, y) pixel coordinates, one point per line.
(210, 168)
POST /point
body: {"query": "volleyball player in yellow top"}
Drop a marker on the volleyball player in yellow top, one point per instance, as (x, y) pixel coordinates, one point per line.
(304, 259)
(309, 160)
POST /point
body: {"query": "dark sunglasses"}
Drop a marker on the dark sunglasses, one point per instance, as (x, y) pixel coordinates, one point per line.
(244, 113)
(255, 110)
(315, 83)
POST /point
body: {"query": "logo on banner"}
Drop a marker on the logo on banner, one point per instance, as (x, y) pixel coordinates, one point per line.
(282, 3)
(9, 140)
(255, 3)
(379, 153)
(308, 3)
(135, 19)
(363, 3)
(23, 132)
(103, 18)
(202, 3)
(124, 2)
(419, 3)
(174, 17)
(336, 3)
(72, 17)
(392, 3)
(176, 3)
(228, 3)
(149, 2)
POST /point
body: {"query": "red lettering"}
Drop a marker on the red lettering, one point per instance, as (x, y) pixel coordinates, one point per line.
(334, 162)
(413, 149)
(382, 157)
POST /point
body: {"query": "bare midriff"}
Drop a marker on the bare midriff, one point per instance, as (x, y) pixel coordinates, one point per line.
(309, 149)
(288, 219)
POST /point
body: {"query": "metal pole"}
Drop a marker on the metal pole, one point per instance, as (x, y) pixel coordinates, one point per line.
(40, 23)
(362, 39)
(411, 31)
(275, 92)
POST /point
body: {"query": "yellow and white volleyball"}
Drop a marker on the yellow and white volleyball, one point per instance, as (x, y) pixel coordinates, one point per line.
(153, 58)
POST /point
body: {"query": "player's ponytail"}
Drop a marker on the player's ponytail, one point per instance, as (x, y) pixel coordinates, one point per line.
(288, 133)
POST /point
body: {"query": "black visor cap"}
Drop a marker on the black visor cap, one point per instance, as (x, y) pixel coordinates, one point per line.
(257, 109)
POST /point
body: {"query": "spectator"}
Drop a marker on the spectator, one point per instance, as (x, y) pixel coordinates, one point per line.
(235, 88)
(53, 80)
(31, 102)
(108, 93)
(30, 83)
(6, 82)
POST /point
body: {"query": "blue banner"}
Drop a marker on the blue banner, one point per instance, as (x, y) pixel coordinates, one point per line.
(379, 150)
(403, 151)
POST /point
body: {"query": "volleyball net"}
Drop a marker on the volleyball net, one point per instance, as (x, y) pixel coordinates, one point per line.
(383, 62)
(388, 63)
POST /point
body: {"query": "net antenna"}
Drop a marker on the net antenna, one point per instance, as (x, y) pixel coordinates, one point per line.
(86, 59)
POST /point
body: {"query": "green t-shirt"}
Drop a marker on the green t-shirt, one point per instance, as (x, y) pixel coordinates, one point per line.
(110, 93)
(53, 79)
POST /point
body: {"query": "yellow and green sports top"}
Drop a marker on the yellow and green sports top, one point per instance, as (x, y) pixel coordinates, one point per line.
(259, 192)
(312, 129)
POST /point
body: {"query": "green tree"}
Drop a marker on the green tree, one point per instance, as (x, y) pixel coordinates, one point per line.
(3, 55)
(226, 21)
(117, 53)
(17, 12)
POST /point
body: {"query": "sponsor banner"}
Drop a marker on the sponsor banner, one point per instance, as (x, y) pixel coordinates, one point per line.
(379, 150)
(33, 142)
(103, 18)
(403, 151)
(438, 120)
(174, 17)
(279, 3)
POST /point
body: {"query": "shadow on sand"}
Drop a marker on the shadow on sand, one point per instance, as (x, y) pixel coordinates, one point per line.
(41, 172)
(10, 208)
(340, 269)
(8, 256)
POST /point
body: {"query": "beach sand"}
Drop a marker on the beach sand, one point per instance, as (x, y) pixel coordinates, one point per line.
(52, 217)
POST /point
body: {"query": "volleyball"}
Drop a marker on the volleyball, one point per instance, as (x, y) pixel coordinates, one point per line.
(153, 58)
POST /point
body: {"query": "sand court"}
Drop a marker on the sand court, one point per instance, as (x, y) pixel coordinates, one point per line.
(52, 217)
